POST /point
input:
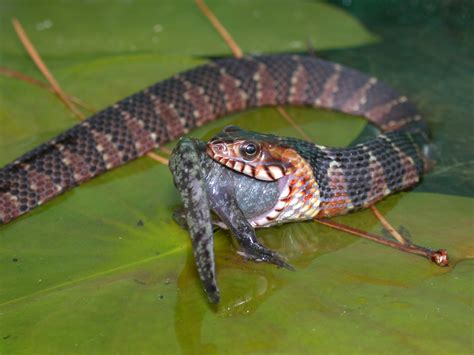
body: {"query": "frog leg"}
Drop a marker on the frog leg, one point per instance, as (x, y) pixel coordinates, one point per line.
(179, 216)
(225, 206)
(188, 178)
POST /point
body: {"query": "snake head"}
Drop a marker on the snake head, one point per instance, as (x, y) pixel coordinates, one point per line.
(257, 155)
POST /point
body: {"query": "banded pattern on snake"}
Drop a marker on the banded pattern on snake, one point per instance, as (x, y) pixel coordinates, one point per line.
(357, 176)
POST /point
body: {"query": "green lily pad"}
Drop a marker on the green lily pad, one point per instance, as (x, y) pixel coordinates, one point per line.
(109, 286)
(98, 28)
(104, 269)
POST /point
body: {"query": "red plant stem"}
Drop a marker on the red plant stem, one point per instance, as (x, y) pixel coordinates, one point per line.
(439, 257)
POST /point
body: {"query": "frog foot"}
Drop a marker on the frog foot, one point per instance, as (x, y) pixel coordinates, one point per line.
(259, 253)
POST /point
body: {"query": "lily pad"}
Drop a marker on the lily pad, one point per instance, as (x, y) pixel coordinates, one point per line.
(98, 28)
(104, 269)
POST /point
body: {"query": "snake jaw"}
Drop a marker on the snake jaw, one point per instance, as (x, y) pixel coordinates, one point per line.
(257, 157)
(262, 167)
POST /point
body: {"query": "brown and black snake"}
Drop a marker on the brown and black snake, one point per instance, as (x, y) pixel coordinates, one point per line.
(348, 178)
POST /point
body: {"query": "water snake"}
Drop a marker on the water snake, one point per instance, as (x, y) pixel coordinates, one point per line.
(248, 179)
(171, 108)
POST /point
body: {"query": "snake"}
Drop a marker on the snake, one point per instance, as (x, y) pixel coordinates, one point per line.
(320, 180)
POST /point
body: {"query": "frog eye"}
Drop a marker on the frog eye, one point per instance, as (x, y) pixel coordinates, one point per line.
(249, 150)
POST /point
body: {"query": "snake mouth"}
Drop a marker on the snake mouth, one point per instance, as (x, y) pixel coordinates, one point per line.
(250, 153)
(224, 154)
(217, 148)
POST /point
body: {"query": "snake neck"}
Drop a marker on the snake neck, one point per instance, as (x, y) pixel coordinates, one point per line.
(299, 197)
(356, 177)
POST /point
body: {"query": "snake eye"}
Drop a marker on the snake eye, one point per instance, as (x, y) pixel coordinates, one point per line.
(249, 150)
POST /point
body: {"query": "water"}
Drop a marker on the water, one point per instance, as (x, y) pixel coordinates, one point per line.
(427, 52)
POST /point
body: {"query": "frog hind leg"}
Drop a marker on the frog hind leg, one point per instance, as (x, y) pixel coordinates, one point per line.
(188, 178)
(224, 204)
(179, 216)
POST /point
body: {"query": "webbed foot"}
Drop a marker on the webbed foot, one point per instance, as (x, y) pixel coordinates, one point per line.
(259, 253)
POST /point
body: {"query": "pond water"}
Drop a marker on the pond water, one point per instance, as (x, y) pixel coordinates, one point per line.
(427, 51)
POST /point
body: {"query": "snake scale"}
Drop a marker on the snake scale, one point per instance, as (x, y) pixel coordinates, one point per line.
(347, 178)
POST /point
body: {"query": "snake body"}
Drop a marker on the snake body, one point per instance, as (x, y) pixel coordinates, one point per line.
(347, 178)
(320, 181)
